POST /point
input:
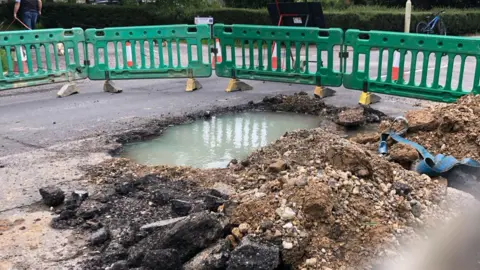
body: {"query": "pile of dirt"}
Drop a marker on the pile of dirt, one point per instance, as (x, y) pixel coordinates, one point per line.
(322, 201)
(452, 129)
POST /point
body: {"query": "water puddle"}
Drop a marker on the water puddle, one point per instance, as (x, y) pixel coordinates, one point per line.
(213, 143)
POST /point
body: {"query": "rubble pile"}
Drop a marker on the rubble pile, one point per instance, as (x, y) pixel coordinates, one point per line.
(149, 222)
(321, 201)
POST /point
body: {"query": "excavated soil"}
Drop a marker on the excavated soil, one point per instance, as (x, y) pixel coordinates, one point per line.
(452, 129)
(321, 201)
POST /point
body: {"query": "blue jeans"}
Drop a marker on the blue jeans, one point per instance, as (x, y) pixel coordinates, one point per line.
(30, 18)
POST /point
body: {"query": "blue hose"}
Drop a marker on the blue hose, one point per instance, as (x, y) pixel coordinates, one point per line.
(429, 165)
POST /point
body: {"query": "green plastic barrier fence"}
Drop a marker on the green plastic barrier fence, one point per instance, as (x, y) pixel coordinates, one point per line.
(148, 52)
(296, 49)
(38, 57)
(411, 65)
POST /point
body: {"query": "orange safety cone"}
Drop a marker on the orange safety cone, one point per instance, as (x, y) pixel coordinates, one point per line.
(396, 66)
(23, 56)
(128, 46)
(218, 58)
(275, 59)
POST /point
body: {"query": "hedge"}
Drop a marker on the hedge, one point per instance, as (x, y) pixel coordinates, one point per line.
(458, 22)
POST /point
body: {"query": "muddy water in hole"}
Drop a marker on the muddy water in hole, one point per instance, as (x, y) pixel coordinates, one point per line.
(213, 143)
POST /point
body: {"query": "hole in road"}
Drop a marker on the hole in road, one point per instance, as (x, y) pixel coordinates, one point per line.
(213, 143)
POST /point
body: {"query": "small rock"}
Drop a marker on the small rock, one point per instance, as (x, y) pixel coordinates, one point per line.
(402, 189)
(318, 201)
(301, 181)
(356, 190)
(232, 241)
(416, 208)
(244, 228)
(278, 166)
(403, 153)
(245, 163)
(311, 262)
(115, 252)
(266, 225)
(224, 188)
(161, 197)
(286, 213)
(52, 196)
(181, 208)
(287, 245)
(189, 236)
(366, 138)
(352, 117)
(288, 226)
(421, 120)
(260, 195)
(254, 255)
(363, 173)
(212, 202)
(80, 195)
(120, 265)
(161, 223)
(162, 259)
(125, 188)
(90, 208)
(236, 232)
(384, 187)
(214, 257)
(99, 237)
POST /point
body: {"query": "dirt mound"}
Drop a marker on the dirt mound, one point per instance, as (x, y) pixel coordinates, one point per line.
(336, 204)
(323, 201)
(452, 129)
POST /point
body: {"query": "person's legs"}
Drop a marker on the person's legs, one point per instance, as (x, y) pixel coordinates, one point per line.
(30, 19)
(27, 18)
(33, 24)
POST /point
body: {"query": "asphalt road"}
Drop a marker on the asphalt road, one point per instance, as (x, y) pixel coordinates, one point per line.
(34, 118)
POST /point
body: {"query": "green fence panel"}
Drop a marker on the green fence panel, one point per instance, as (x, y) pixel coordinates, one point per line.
(35, 57)
(148, 52)
(438, 68)
(304, 55)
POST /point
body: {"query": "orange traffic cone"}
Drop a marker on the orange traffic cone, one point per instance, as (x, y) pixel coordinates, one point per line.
(218, 58)
(396, 66)
(128, 46)
(275, 59)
